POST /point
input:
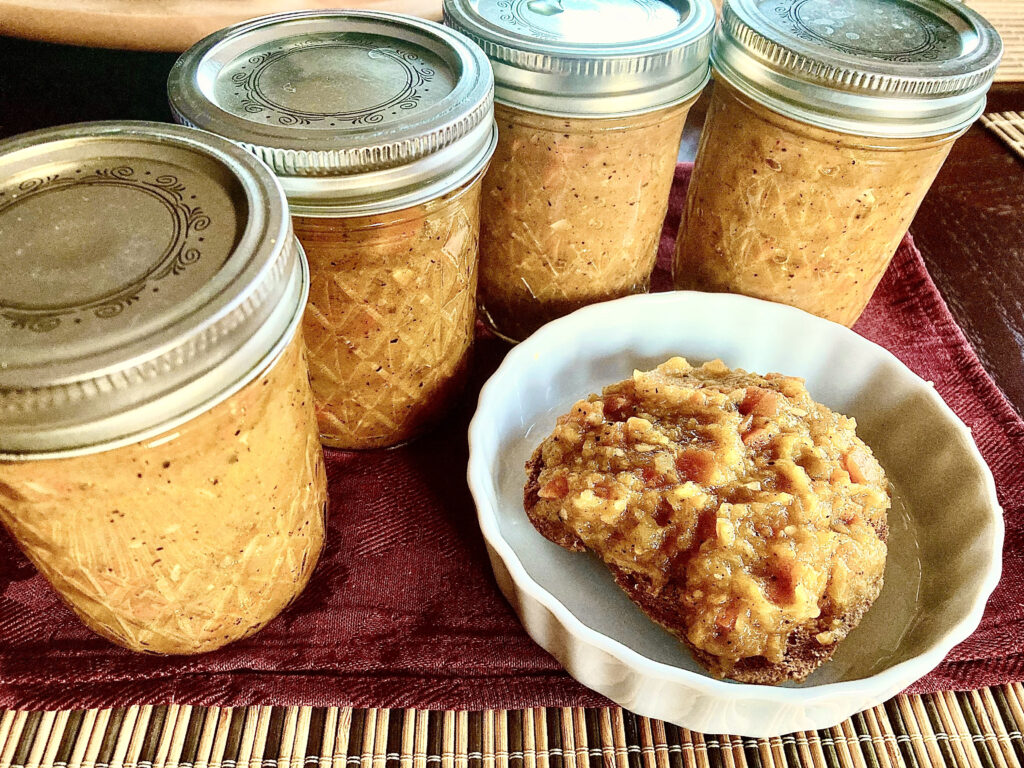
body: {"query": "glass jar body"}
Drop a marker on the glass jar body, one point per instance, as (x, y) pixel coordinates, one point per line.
(391, 316)
(572, 212)
(190, 540)
(781, 210)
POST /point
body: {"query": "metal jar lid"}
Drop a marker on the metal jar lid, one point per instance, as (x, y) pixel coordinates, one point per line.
(590, 58)
(357, 112)
(894, 68)
(150, 271)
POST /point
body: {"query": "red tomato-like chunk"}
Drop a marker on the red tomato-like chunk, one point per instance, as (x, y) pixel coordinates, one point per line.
(760, 402)
(696, 465)
(556, 488)
(617, 408)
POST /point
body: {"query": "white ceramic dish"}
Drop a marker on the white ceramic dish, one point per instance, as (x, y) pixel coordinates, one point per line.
(946, 527)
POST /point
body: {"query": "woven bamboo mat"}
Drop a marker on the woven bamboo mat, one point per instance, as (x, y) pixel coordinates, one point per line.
(1009, 126)
(980, 728)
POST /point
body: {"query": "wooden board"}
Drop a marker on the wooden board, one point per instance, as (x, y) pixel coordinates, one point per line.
(160, 25)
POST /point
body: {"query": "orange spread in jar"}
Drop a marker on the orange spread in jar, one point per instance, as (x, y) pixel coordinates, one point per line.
(781, 210)
(572, 212)
(391, 316)
(189, 540)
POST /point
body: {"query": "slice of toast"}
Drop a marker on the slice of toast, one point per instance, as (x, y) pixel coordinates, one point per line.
(804, 653)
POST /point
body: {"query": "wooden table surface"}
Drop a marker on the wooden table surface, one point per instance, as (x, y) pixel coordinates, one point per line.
(970, 227)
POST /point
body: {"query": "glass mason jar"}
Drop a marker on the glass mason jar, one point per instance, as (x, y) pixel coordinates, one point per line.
(159, 459)
(827, 125)
(391, 322)
(590, 105)
(379, 127)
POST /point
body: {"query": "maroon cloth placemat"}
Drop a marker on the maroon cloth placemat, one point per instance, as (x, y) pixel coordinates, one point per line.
(403, 610)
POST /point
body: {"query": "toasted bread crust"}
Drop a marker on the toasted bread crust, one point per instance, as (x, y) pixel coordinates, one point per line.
(552, 530)
(803, 654)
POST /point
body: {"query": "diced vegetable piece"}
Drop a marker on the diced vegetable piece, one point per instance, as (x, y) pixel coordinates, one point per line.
(838, 476)
(726, 618)
(556, 488)
(696, 465)
(860, 466)
(617, 408)
(760, 402)
(756, 437)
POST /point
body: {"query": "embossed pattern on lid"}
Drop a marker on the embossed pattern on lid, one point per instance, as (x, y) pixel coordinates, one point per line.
(357, 111)
(590, 58)
(875, 67)
(149, 271)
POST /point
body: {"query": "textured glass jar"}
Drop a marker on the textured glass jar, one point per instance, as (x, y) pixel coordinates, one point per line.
(380, 127)
(159, 459)
(390, 330)
(827, 125)
(591, 102)
(573, 211)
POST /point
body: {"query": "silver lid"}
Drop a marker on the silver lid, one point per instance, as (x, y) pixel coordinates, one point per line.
(356, 111)
(590, 58)
(870, 67)
(149, 271)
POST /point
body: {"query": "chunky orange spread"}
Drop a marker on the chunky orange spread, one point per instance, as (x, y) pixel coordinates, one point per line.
(759, 508)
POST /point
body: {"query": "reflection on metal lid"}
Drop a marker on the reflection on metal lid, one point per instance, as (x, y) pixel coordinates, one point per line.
(354, 110)
(590, 58)
(875, 67)
(148, 269)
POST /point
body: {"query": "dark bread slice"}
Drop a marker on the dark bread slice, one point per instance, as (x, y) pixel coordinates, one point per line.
(803, 654)
(552, 530)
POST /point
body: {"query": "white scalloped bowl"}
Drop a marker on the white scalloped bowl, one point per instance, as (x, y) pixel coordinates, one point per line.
(946, 527)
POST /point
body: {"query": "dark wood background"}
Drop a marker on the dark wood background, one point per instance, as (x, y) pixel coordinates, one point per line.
(970, 227)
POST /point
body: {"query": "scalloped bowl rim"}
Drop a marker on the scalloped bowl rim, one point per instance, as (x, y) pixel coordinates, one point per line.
(886, 682)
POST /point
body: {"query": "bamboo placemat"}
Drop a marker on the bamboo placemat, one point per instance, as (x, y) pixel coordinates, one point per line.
(1009, 126)
(1007, 16)
(980, 728)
